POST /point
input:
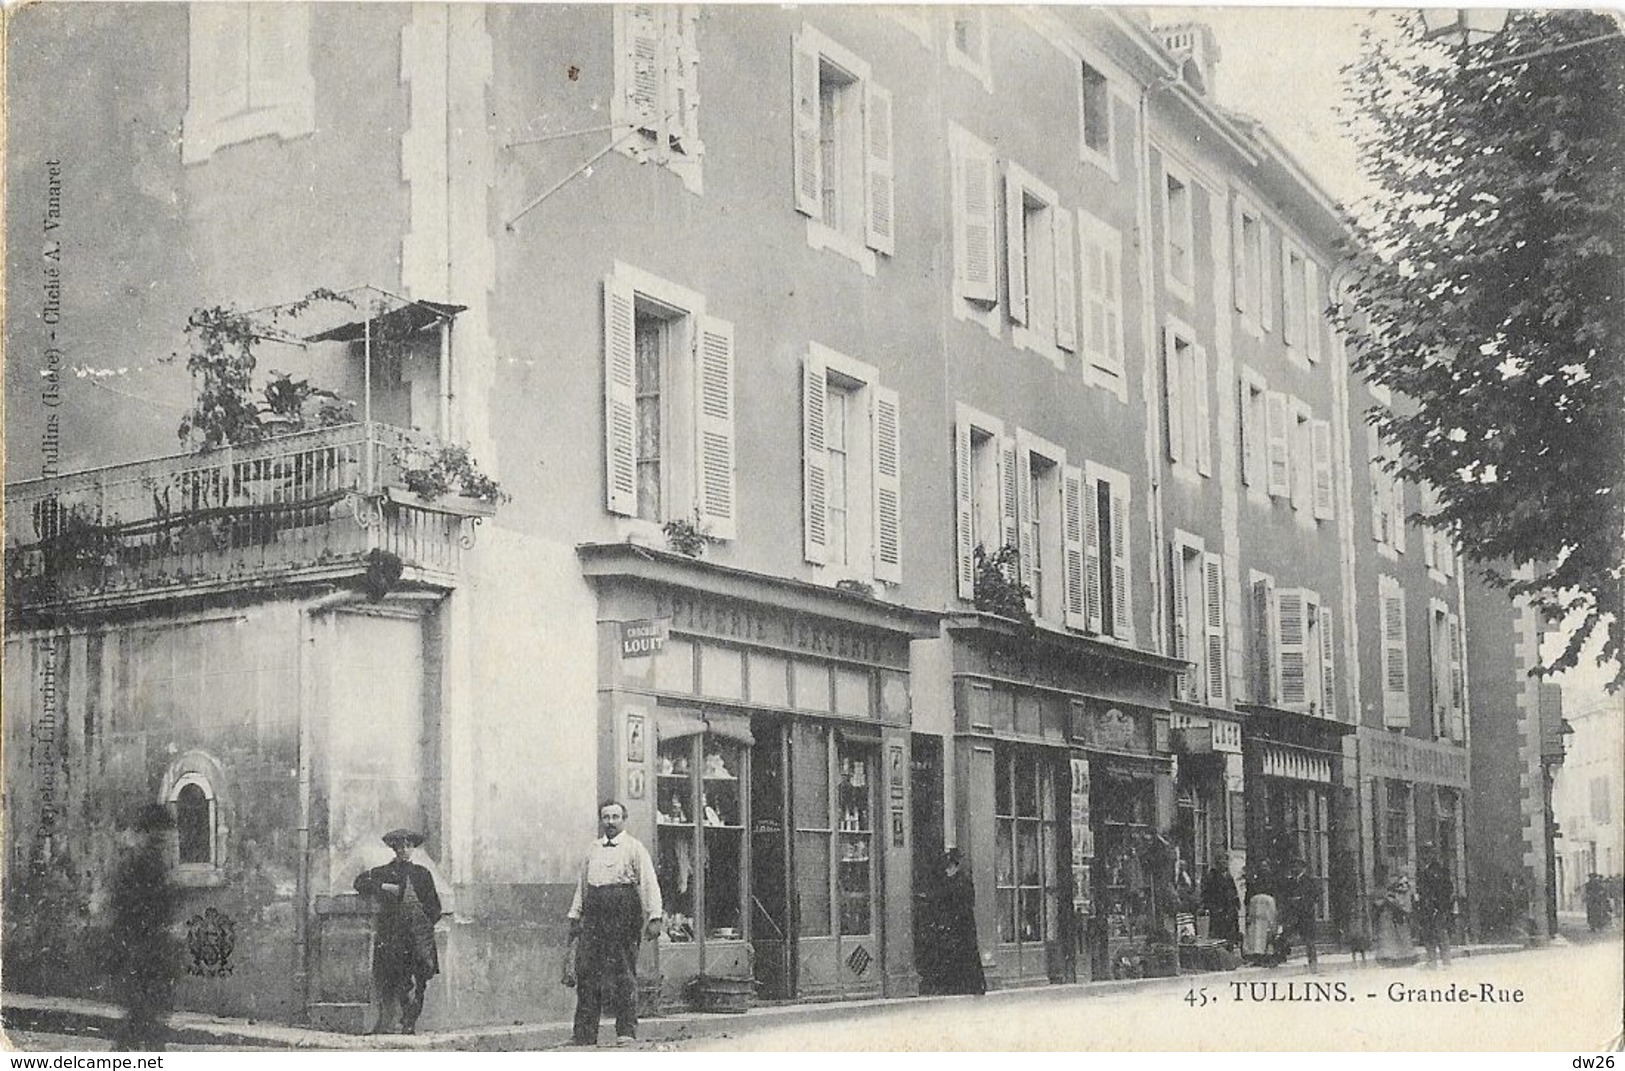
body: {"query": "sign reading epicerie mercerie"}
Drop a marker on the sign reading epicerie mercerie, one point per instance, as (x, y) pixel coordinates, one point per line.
(644, 637)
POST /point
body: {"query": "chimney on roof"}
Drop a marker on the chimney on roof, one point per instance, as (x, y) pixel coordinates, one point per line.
(1196, 50)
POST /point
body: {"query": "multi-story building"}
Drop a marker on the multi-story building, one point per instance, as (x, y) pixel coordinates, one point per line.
(777, 327)
(1586, 801)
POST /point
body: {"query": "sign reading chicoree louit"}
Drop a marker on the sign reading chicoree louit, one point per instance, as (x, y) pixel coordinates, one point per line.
(644, 637)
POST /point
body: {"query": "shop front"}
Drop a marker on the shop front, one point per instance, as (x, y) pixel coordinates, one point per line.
(1413, 791)
(1210, 818)
(758, 731)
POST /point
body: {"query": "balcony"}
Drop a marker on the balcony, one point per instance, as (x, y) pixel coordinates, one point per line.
(311, 506)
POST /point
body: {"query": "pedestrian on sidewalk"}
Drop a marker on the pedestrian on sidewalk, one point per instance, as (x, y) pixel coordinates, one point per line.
(1300, 899)
(959, 957)
(404, 956)
(1223, 905)
(143, 957)
(1391, 918)
(1262, 918)
(617, 904)
(1435, 911)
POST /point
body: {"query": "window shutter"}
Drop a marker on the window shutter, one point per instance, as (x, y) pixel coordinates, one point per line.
(1300, 455)
(807, 165)
(1396, 513)
(1292, 640)
(1122, 604)
(888, 479)
(1184, 684)
(964, 502)
(1247, 434)
(643, 60)
(1266, 281)
(977, 238)
(715, 360)
(880, 189)
(1328, 680)
(1091, 555)
(1072, 486)
(686, 77)
(1204, 436)
(1238, 258)
(1176, 408)
(1213, 625)
(1009, 510)
(814, 460)
(1312, 309)
(1458, 684)
(1112, 268)
(1429, 555)
(1439, 658)
(1024, 511)
(1320, 440)
(1264, 626)
(1066, 282)
(1396, 706)
(1277, 416)
(1380, 487)
(620, 399)
(1015, 246)
(1096, 342)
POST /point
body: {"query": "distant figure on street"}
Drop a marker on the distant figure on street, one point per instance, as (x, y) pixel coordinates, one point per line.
(143, 956)
(1391, 918)
(1263, 918)
(404, 957)
(1222, 904)
(960, 960)
(1599, 906)
(617, 904)
(1435, 911)
(1299, 900)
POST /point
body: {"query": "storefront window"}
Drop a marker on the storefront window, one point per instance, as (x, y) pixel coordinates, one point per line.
(1298, 823)
(1123, 806)
(1397, 828)
(1025, 872)
(813, 827)
(700, 810)
(834, 816)
(856, 840)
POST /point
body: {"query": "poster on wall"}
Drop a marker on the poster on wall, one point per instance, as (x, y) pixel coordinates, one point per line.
(634, 783)
(636, 746)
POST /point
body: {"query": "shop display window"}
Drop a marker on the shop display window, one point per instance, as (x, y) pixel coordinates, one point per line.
(833, 799)
(1124, 807)
(700, 812)
(1026, 868)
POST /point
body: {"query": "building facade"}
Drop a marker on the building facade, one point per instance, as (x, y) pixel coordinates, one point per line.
(1586, 799)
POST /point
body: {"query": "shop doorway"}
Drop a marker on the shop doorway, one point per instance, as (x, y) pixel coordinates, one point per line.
(926, 813)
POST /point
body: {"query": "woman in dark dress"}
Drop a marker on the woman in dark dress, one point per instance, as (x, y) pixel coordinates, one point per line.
(1222, 904)
(958, 959)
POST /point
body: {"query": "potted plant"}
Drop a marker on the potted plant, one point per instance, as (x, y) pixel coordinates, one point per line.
(999, 589)
(447, 479)
(686, 538)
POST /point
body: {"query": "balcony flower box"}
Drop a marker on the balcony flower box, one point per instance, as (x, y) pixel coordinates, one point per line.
(454, 505)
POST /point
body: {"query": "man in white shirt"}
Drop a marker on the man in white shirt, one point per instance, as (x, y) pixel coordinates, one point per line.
(617, 904)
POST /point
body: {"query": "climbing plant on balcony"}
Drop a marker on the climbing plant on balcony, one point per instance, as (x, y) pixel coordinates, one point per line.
(999, 589)
(449, 469)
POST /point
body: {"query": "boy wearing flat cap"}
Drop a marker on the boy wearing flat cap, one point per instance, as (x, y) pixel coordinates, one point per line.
(403, 951)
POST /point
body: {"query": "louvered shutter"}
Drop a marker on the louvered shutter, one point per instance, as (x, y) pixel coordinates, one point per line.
(1122, 603)
(1238, 259)
(686, 80)
(964, 503)
(1380, 487)
(1292, 640)
(1024, 512)
(1184, 684)
(1396, 513)
(880, 189)
(718, 508)
(1313, 308)
(1091, 555)
(1213, 625)
(1328, 678)
(1439, 658)
(1246, 434)
(1264, 629)
(1095, 338)
(888, 480)
(1266, 279)
(814, 459)
(1009, 510)
(1112, 267)
(1300, 456)
(1320, 441)
(1204, 433)
(1072, 490)
(807, 164)
(1458, 684)
(643, 60)
(1015, 246)
(1175, 414)
(620, 399)
(1066, 282)
(1277, 417)
(1396, 706)
(977, 234)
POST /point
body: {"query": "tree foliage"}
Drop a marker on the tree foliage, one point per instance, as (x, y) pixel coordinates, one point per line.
(1486, 291)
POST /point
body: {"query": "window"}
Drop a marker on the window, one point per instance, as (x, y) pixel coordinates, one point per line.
(1299, 649)
(975, 182)
(1301, 455)
(1444, 652)
(1249, 248)
(1178, 230)
(1095, 117)
(1294, 290)
(1107, 576)
(1320, 443)
(200, 820)
(852, 484)
(1039, 466)
(248, 77)
(668, 405)
(1438, 549)
(1039, 264)
(1387, 495)
(1027, 857)
(1396, 702)
(700, 816)
(1102, 328)
(968, 44)
(843, 151)
(1185, 396)
(656, 86)
(1601, 801)
(1397, 827)
(982, 519)
(1253, 424)
(194, 824)
(1278, 424)
(832, 799)
(1197, 619)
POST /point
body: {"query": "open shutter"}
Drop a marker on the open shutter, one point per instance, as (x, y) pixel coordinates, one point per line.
(1265, 688)
(1380, 487)
(1015, 246)
(977, 235)
(1396, 706)
(643, 60)
(1096, 341)
(1204, 436)
(1439, 660)
(888, 479)
(814, 460)
(1266, 278)
(1396, 513)
(1024, 512)
(620, 399)
(1184, 684)
(1320, 443)
(718, 508)
(1278, 419)
(686, 79)
(964, 503)
(807, 165)
(1066, 282)
(1091, 555)
(1292, 640)
(1300, 455)
(1458, 684)
(1328, 678)
(1009, 510)
(1122, 604)
(1313, 307)
(1176, 407)
(1072, 487)
(1111, 291)
(1238, 259)
(880, 189)
(1213, 625)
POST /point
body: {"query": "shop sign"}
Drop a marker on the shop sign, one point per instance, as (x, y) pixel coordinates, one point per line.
(1117, 731)
(1405, 758)
(728, 619)
(644, 637)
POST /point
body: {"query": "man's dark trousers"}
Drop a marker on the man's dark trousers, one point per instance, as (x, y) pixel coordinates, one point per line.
(607, 960)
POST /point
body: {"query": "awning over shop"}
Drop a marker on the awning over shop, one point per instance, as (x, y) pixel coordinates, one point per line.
(1296, 764)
